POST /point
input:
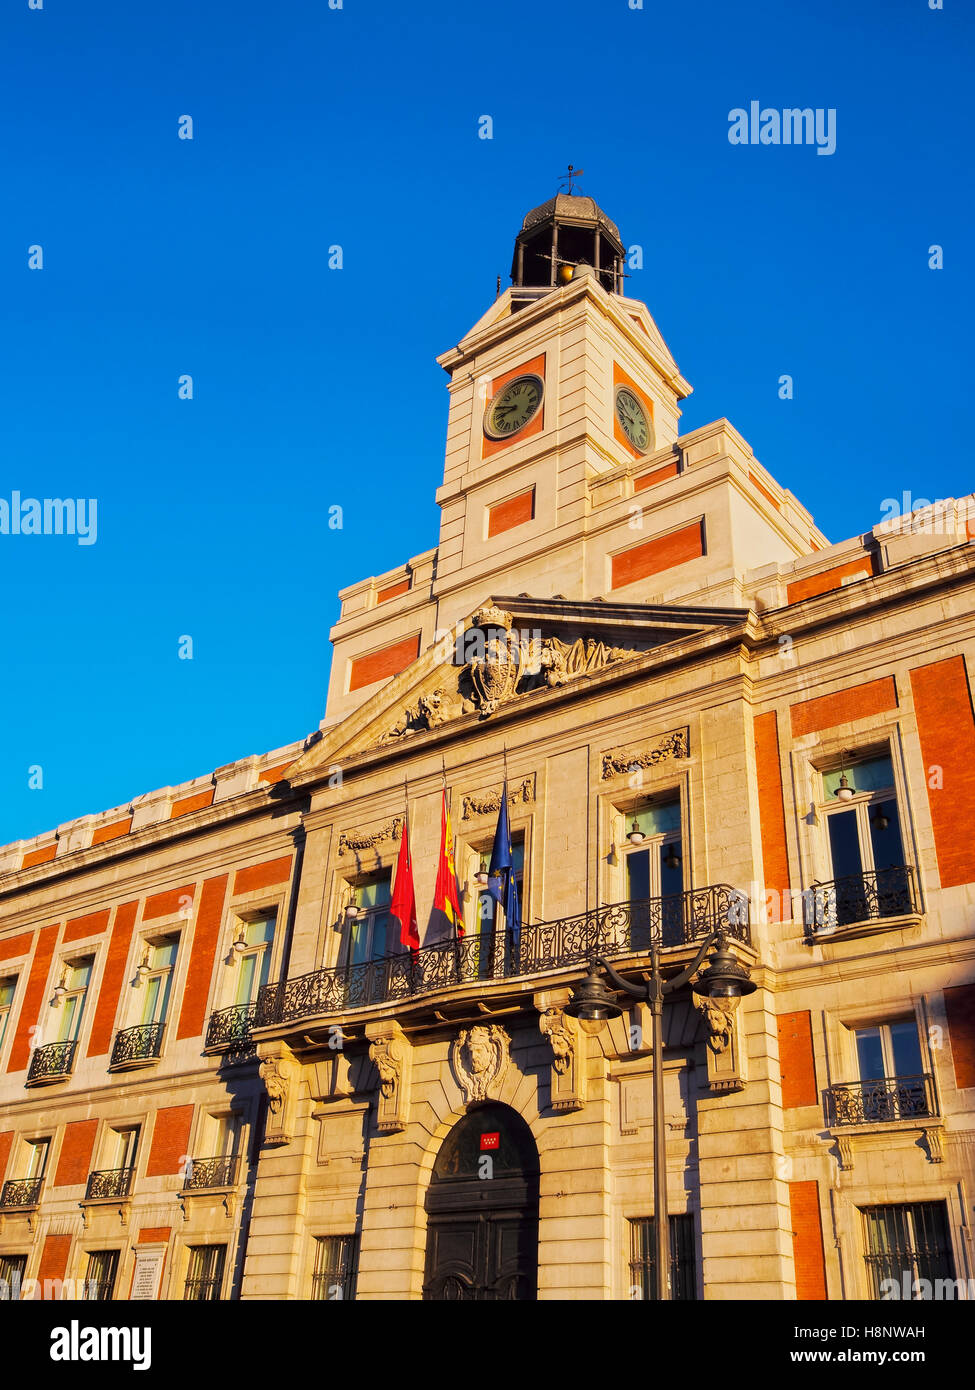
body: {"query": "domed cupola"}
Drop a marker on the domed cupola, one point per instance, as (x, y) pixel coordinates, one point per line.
(567, 231)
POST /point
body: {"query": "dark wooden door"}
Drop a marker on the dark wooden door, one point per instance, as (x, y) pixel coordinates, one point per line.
(482, 1231)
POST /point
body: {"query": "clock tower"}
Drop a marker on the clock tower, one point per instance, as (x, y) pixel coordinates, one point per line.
(565, 474)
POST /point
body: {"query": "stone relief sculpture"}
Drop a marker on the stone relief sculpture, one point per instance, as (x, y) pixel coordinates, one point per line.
(279, 1071)
(389, 1063)
(552, 1024)
(503, 663)
(719, 1017)
(368, 839)
(489, 803)
(479, 1057)
(671, 745)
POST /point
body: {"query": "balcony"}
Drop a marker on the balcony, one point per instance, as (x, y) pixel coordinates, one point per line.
(53, 1062)
(21, 1193)
(861, 903)
(137, 1047)
(109, 1183)
(230, 1029)
(621, 929)
(208, 1173)
(881, 1101)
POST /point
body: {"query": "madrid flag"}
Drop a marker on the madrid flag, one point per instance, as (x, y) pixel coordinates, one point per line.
(402, 905)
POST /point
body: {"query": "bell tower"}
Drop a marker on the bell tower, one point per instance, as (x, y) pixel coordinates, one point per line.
(566, 232)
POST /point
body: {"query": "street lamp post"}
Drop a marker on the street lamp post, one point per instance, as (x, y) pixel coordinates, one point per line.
(592, 1003)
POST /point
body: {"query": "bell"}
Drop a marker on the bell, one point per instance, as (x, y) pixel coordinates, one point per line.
(565, 274)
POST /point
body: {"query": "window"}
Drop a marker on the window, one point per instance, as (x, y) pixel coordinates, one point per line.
(490, 950)
(118, 1154)
(8, 987)
(335, 1268)
(869, 875)
(655, 873)
(157, 979)
(100, 1275)
(372, 934)
(12, 1270)
(204, 1274)
(907, 1244)
(75, 980)
(36, 1157)
(892, 1081)
(219, 1149)
(254, 965)
(643, 1258)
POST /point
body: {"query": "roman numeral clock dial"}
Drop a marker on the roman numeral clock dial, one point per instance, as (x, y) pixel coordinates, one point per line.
(515, 404)
(633, 420)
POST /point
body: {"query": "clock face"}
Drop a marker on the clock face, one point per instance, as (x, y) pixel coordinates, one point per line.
(514, 405)
(633, 419)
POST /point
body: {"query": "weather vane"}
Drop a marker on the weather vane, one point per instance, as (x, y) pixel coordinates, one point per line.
(573, 174)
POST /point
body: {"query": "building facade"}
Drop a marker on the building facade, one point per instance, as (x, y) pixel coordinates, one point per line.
(222, 1076)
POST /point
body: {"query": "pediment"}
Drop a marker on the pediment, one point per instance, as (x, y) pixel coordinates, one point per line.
(508, 650)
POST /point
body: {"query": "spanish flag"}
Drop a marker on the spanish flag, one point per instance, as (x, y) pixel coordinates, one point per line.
(446, 899)
(402, 905)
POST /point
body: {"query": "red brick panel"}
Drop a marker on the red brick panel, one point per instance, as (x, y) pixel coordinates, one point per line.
(402, 586)
(6, 1141)
(196, 802)
(167, 904)
(30, 1009)
(771, 810)
(796, 1062)
(828, 580)
(262, 875)
(756, 482)
(660, 553)
(91, 925)
(54, 1258)
(856, 702)
(39, 856)
(503, 516)
(656, 475)
(946, 730)
(274, 774)
(536, 367)
(112, 831)
(379, 666)
(154, 1235)
(77, 1146)
(960, 1008)
(170, 1140)
(113, 980)
(16, 945)
(206, 935)
(807, 1240)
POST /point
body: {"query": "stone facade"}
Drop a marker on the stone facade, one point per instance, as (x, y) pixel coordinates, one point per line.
(727, 668)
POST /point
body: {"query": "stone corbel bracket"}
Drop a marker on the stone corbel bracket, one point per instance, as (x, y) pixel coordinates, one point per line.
(725, 1055)
(568, 1069)
(392, 1055)
(280, 1072)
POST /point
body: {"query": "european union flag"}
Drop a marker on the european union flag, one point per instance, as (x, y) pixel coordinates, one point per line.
(501, 879)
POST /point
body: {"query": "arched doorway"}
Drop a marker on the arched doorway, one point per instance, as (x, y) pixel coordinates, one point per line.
(482, 1210)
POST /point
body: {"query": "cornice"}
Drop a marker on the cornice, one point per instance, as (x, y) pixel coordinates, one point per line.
(250, 806)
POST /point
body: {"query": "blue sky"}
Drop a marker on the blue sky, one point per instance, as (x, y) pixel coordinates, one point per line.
(358, 127)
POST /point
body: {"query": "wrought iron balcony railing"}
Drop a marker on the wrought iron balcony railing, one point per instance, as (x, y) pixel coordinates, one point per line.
(211, 1172)
(876, 1101)
(109, 1182)
(143, 1043)
(620, 929)
(231, 1028)
(21, 1192)
(53, 1062)
(857, 898)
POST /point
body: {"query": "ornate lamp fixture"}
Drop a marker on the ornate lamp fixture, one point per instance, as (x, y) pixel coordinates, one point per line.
(844, 792)
(61, 988)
